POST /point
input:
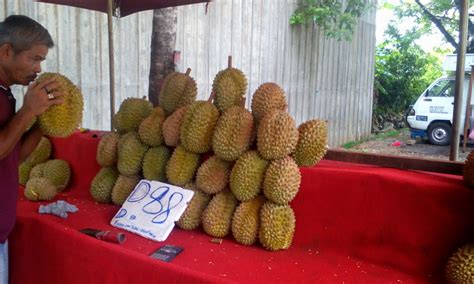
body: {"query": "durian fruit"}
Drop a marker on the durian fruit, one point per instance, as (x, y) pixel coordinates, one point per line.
(131, 113)
(103, 183)
(277, 226)
(191, 218)
(460, 266)
(181, 166)
(24, 171)
(312, 143)
(247, 175)
(229, 87)
(277, 135)
(41, 153)
(468, 170)
(62, 119)
(123, 187)
(58, 172)
(213, 175)
(233, 133)
(107, 149)
(177, 90)
(130, 154)
(150, 131)
(246, 221)
(217, 217)
(267, 98)
(40, 189)
(37, 170)
(154, 163)
(282, 181)
(172, 127)
(198, 127)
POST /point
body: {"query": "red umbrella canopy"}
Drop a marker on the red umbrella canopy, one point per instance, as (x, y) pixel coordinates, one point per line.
(123, 8)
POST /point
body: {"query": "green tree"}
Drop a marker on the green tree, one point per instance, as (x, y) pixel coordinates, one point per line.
(402, 70)
(438, 15)
(337, 18)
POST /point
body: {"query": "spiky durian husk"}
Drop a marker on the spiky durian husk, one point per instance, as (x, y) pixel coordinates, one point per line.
(227, 93)
(103, 183)
(468, 170)
(107, 149)
(131, 113)
(246, 221)
(277, 135)
(177, 90)
(61, 120)
(239, 81)
(460, 266)
(58, 172)
(41, 153)
(40, 189)
(247, 176)
(198, 127)
(24, 171)
(181, 166)
(123, 187)
(277, 226)
(130, 154)
(172, 127)
(267, 98)
(37, 170)
(217, 217)
(154, 163)
(312, 143)
(191, 218)
(233, 133)
(150, 131)
(213, 175)
(282, 181)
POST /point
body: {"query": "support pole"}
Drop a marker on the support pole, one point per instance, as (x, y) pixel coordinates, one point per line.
(467, 118)
(458, 90)
(111, 61)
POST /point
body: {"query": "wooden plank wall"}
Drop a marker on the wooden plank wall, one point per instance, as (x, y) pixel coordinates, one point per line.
(323, 78)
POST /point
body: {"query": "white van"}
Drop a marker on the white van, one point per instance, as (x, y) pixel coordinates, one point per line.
(432, 114)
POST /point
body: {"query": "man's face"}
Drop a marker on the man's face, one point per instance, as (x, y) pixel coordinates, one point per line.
(24, 66)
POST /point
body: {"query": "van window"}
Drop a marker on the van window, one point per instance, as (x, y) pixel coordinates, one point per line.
(443, 88)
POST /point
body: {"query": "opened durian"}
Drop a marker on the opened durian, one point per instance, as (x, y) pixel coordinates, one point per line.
(62, 120)
(177, 90)
(312, 143)
(460, 266)
(277, 226)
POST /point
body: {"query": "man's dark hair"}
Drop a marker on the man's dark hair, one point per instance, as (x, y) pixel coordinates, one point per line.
(22, 33)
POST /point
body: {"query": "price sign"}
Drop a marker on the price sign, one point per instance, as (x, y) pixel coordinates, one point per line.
(152, 208)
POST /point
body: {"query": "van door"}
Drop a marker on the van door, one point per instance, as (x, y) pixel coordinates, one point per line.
(438, 102)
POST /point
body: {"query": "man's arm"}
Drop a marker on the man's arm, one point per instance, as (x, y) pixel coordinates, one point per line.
(30, 141)
(35, 103)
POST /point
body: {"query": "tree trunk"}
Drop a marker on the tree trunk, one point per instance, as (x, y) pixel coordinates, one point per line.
(163, 42)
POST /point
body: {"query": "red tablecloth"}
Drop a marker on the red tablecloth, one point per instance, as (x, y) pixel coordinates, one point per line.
(355, 224)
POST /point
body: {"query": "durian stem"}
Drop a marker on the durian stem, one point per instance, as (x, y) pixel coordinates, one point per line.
(229, 61)
(211, 97)
(188, 71)
(244, 99)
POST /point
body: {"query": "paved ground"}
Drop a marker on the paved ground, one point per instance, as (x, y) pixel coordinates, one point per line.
(420, 149)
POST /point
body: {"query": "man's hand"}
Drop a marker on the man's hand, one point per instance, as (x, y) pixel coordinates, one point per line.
(40, 96)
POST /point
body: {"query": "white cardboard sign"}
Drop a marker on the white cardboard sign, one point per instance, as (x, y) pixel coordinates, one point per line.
(152, 208)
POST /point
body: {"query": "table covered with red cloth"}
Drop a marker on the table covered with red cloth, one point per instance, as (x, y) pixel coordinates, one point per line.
(354, 224)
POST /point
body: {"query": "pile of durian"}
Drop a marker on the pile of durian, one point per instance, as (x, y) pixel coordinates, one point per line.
(460, 266)
(43, 177)
(242, 165)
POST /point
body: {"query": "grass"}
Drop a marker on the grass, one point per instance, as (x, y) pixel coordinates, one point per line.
(380, 136)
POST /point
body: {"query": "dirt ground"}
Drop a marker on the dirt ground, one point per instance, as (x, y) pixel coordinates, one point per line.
(419, 149)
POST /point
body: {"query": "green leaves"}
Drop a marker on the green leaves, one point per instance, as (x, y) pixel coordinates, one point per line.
(338, 20)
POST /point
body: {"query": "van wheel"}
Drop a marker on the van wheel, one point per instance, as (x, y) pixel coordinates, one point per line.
(439, 133)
